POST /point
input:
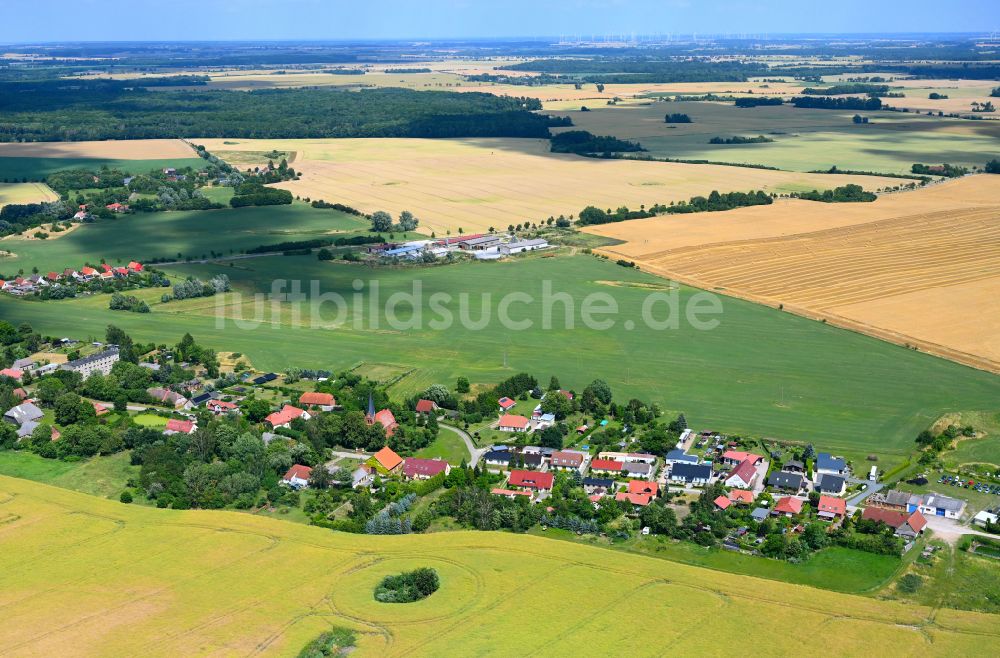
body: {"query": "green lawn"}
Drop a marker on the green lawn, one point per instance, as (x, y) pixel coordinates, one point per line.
(955, 579)
(448, 446)
(150, 420)
(835, 568)
(38, 168)
(760, 371)
(98, 476)
(193, 234)
(804, 139)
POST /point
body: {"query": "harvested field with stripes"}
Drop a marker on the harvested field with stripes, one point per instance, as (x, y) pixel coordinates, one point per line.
(473, 184)
(919, 268)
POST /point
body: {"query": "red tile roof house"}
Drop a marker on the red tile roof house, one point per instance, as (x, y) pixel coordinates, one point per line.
(512, 423)
(506, 404)
(643, 487)
(135, 266)
(906, 524)
(831, 508)
(100, 409)
(219, 407)
(788, 506)
(605, 466)
(566, 460)
(285, 417)
(415, 468)
(116, 207)
(297, 476)
(13, 373)
(386, 420)
(52, 276)
(722, 502)
(324, 401)
(637, 499)
(743, 476)
(179, 426)
(736, 457)
(531, 480)
(426, 406)
(741, 496)
(386, 460)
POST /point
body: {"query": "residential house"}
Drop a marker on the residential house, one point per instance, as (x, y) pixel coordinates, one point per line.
(14, 373)
(117, 207)
(640, 458)
(760, 514)
(324, 401)
(681, 457)
(386, 461)
(533, 480)
(643, 487)
(691, 474)
(606, 466)
(426, 406)
(529, 460)
(637, 499)
(827, 464)
(737, 457)
(743, 476)
(617, 456)
(175, 426)
(285, 416)
(788, 506)
(722, 502)
(741, 496)
(297, 477)
(892, 499)
(638, 470)
(499, 458)
(509, 493)
(512, 423)
(594, 485)
(220, 407)
(22, 413)
(506, 404)
(831, 508)
(905, 524)
(793, 482)
(793, 466)
(100, 409)
(567, 460)
(100, 362)
(169, 398)
(362, 476)
(415, 468)
(204, 398)
(831, 484)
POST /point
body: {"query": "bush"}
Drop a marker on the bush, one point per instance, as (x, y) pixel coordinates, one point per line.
(126, 497)
(408, 587)
(335, 642)
(910, 583)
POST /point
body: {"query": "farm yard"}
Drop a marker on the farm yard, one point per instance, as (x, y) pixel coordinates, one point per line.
(34, 161)
(216, 582)
(907, 266)
(761, 371)
(474, 184)
(804, 139)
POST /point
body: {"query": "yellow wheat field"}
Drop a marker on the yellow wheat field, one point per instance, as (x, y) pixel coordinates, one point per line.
(85, 576)
(25, 193)
(477, 183)
(121, 149)
(920, 268)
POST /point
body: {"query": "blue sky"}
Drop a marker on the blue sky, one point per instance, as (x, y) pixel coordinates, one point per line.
(113, 20)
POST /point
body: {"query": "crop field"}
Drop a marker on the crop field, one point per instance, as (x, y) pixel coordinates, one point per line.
(473, 184)
(34, 161)
(804, 139)
(25, 193)
(760, 371)
(911, 271)
(192, 234)
(128, 580)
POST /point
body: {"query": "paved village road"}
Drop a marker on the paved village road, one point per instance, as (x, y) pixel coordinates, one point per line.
(475, 454)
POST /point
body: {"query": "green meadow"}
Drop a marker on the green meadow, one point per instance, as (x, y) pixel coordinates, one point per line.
(193, 234)
(761, 371)
(35, 169)
(804, 139)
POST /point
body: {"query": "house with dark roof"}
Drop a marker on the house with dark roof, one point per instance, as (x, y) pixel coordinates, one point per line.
(498, 458)
(597, 485)
(566, 459)
(826, 463)
(793, 482)
(831, 484)
(690, 474)
(680, 457)
(638, 470)
(794, 466)
(22, 413)
(933, 504)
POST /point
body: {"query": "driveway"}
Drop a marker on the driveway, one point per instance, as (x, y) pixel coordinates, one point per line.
(857, 499)
(951, 530)
(475, 454)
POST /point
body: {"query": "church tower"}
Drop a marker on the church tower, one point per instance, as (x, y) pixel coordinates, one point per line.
(370, 416)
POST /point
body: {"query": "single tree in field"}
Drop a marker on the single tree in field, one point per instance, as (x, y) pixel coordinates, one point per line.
(381, 221)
